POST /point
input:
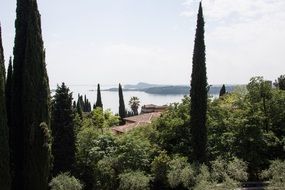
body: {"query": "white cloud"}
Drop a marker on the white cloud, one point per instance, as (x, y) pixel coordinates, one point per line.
(241, 10)
(244, 38)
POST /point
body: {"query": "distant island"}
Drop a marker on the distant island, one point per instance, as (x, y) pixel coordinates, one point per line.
(168, 89)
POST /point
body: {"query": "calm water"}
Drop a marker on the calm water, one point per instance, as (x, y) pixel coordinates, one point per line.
(111, 99)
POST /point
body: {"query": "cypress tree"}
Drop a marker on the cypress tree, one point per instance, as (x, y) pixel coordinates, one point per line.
(8, 96)
(223, 90)
(8, 90)
(198, 93)
(4, 133)
(74, 105)
(79, 109)
(85, 104)
(30, 102)
(122, 109)
(63, 147)
(99, 100)
(88, 106)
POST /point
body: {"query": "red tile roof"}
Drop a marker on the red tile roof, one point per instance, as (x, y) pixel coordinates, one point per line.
(136, 121)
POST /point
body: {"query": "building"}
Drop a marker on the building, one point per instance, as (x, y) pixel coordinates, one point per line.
(150, 108)
(135, 121)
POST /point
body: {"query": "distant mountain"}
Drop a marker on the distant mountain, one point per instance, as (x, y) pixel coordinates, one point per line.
(215, 89)
(169, 90)
(141, 85)
(125, 89)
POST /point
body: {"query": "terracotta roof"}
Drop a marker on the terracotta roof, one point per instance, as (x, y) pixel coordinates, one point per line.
(143, 117)
(137, 121)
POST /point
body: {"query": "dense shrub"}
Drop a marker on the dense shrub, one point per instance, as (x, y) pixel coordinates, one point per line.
(275, 174)
(134, 180)
(65, 182)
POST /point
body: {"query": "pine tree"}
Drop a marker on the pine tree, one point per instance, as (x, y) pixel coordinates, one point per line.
(4, 133)
(99, 100)
(63, 147)
(122, 109)
(223, 90)
(198, 94)
(30, 102)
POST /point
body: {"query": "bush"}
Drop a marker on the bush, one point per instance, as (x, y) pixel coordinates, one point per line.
(134, 181)
(275, 174)
(180, 174)
(234, 169)
(65, 182)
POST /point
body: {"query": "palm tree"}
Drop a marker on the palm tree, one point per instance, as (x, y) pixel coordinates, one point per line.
(134, 103)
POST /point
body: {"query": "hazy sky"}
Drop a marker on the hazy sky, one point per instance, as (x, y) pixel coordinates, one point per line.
(128, 41)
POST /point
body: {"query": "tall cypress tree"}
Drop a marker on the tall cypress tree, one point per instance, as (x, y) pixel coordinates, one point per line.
(223, 90)
(63, 131)
(8, 96)
(99, 100)
(79, 108)
(8, 90)
(198, 93)
(30, 102)
(4, 133)
(122, 109)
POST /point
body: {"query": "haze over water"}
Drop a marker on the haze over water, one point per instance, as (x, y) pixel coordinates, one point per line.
(110, 99)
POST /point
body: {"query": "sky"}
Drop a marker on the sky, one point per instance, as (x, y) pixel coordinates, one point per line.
(129, 41)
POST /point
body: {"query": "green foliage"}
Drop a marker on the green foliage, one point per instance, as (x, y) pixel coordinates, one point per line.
(275, 174)
(225, 171)
(134, 180)
(30, 101)
(248, 125)
(134, 153)
(82, 105)
(65, 182)
(134, 103)
(63, 131)
(173, 128)
(258, 89)
(100, 119)
(198, 93)
(203, 179)
(99, 100)
(280, 82)
(122, 109)
(106, 156)
(110, 120)
(107, 173)
(236, 132)
(181, 174)
(223, 90)
(79, 108)
(4, 131)
(159, 168)
(8, 91)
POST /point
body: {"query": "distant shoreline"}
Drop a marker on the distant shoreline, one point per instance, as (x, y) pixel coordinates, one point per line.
(171, 90)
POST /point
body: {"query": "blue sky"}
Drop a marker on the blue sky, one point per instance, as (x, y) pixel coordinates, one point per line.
(128, 41)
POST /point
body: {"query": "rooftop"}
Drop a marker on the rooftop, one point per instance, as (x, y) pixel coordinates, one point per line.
(136, 121)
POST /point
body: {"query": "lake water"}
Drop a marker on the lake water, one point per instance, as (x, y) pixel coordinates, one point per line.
(110, 99)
